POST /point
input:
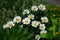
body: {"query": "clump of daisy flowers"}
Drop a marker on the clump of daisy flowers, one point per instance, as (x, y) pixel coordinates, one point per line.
(30, 19)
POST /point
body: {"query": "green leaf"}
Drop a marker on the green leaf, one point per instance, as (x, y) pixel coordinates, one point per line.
(50, 29)
(43, 35)
(54, 23)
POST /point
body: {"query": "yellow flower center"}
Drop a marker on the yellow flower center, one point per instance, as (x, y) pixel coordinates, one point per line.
(41, 7)
(17, 19)
(26, 21)
(10, 24)
(35, 24)
(25, 12)
(31, 16)
(41, 26)
(34, 8)
(44, 20)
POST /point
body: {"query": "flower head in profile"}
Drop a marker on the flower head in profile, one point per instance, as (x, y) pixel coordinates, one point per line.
(5, 26)
(31, 16)
(42, 7)
(43, 32)
(10, 24)
(42, 27)
(26, 11)
(44, 19)
(34, 8)
(26, 21)
(35, 23)
(17, 19)
(21, 26)
(37, 37)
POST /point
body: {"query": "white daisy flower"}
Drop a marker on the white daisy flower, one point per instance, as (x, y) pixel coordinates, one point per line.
(35, 23)
(26, 20)
(17, 19)
(31, 16)
(10, 24)
(34, 8)
(43, 32)
(42, 7)
(26, 11)
(44, 19)
(42, 27)
(5, 26)
(37, 37)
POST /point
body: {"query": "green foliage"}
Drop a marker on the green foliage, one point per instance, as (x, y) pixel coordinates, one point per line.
(53, 11)
(15, 33)
(43, 35)
(54, 29)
